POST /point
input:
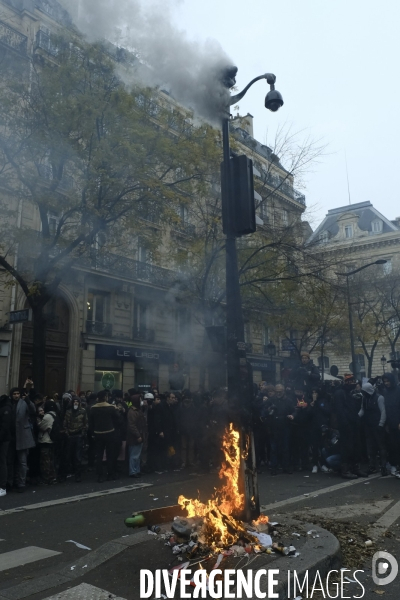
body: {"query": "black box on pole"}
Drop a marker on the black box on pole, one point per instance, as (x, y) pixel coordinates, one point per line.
(241, 195)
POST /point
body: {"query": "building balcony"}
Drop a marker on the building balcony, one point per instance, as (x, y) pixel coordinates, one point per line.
(144, 335)
(99, 328)
(128, 268)
(184, 227)
(44, 42)
(13, 39)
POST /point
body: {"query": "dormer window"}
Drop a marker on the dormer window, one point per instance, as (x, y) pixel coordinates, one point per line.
(376, 226)
(348, 231)
(324, 237)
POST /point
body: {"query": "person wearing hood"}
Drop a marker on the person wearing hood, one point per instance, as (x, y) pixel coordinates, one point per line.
(391, 393)
(75, 426)
(347, 403)
(23, 410)
(5, 437)
(47, 457)
(374, 413)
(277, 413)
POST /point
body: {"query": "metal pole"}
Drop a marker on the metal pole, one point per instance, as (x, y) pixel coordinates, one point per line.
(353, 354)
(238, 378)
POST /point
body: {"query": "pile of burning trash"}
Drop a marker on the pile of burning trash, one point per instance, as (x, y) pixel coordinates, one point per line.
(202, 530)
(187, 539)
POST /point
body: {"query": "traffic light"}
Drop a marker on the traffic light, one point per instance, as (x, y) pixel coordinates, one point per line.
(239, 198)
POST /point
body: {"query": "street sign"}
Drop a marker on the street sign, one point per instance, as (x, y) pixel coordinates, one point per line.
(20, 316)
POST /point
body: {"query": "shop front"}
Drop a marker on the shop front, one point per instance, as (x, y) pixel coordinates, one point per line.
(122, 367)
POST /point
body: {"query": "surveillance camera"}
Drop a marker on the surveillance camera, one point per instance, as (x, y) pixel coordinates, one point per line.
(273, 100)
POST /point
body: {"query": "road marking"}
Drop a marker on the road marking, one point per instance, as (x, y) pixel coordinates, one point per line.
(18, 558)
(314, 493)
(385, 521)
(347, 511)
(84, 591)
(70, 499)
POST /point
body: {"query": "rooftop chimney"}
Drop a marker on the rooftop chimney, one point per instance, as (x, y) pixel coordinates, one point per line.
(245, 123)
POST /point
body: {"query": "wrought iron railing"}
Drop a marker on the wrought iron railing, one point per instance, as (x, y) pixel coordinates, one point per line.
(184, 227)
(13, 39)
(144, 334)
(44, 42)
(129, 268)
(99, 328)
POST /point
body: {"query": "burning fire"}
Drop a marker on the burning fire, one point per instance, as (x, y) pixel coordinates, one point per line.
(220, 528)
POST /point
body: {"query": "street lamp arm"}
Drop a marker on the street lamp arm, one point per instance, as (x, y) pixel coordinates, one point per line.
(377, 262)
(270, 77)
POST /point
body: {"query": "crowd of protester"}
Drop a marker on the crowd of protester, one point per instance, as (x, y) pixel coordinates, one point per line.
(341, 426)
(301, 424)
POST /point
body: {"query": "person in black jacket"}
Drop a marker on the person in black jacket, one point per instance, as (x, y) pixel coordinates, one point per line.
(319, 416)
(5, 438)
(301, 428)
(277, 413)
(391, 393)
(169, 431)
(103, 421)
(187, 429)
(307, 375)
(347, 404)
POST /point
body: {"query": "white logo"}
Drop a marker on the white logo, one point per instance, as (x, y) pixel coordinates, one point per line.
(381, 561)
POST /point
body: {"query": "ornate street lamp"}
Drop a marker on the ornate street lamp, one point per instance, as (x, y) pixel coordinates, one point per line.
(239, 373)
(383, 363)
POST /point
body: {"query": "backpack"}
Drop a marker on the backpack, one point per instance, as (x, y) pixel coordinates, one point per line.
(55, 431)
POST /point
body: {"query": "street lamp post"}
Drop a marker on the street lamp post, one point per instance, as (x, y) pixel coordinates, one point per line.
(383, 362)
(347, 275)
(239, 376)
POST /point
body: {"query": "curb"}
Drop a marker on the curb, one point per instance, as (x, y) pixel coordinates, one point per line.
(321, 554)
(90, 561)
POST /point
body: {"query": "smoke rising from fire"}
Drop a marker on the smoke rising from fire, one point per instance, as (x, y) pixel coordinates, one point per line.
(189, 70)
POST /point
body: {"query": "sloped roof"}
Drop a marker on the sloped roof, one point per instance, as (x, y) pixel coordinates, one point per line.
(365, 212)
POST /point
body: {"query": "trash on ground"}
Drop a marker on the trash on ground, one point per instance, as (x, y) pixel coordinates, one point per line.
(78, 545)
(368, 543)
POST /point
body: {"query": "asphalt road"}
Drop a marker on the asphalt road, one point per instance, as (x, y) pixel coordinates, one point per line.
(96, 520)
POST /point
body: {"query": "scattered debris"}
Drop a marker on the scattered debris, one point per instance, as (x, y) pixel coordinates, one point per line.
(84, 567)
(78, 545)
(368, 543)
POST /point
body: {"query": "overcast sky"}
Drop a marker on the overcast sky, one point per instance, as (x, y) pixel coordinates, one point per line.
(336, 63)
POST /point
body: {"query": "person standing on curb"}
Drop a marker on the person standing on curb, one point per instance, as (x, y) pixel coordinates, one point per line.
(75, 426)
(5, 437)
(137, 432)
(22, 439)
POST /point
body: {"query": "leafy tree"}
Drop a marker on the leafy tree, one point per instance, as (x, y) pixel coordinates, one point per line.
(83, 157)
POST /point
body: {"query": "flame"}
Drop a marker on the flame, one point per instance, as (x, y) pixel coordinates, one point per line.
(220, 528)
(262, 520)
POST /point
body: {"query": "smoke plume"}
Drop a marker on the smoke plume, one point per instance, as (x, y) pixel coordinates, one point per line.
(190, 71)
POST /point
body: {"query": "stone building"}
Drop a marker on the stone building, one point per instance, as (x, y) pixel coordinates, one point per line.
(355, 235)
(116, 320)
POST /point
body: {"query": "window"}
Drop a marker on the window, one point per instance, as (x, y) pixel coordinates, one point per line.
(266, 335)
(285, 217)
(348, 231)
(182, 322)
(53, 220)
(324, 237)
(387, 267)
(377, 226)
(142, 253)
(326, 362)
(141, 316)
(97, 306)
(247, 332)
(360, 358)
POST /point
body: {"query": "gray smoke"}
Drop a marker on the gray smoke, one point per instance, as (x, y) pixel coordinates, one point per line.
(190, 71)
